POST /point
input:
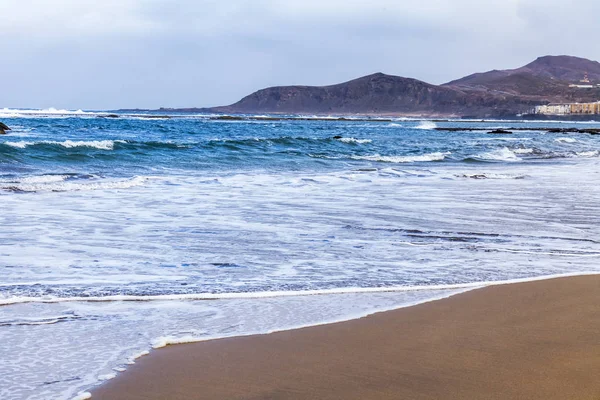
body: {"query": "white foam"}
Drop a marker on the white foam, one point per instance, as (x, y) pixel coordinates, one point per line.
(404, 159)
(141, 354)
(492, 176)
(588, 154)
(165, 341)
(278, 294)
(107, 377)
(68, 186)
(98, 144)
(46, 113)
(566, 140)
(426, 125)
(38, 179)
(353, 140)
(83, 396)
(503, 154)
(522, 151)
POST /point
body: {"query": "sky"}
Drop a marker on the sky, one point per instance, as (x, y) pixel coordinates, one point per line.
(109, 54)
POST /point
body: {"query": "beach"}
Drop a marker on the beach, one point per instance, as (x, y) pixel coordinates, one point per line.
(533, 340)
(123, 234)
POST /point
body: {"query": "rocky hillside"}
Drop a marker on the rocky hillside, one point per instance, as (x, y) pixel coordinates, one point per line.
(490, 94)
(545, 80)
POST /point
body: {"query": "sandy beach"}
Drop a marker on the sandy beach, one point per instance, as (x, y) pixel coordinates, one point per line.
(535, 340)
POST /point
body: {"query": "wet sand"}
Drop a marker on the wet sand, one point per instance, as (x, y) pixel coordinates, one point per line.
(535, 340)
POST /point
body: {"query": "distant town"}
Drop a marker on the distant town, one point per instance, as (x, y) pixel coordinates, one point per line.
(572, 108)
(568, 109)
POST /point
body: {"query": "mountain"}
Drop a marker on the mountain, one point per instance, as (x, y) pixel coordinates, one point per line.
(545, 80)
(497, 93)
(377, 93)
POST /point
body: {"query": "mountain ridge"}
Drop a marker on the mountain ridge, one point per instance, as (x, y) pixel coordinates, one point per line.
(496, 93)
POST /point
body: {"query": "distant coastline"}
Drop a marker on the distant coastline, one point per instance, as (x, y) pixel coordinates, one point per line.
(384, 117)
(498, 94)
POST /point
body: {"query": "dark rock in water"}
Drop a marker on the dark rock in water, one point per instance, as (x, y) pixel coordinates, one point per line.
(338, 137)
(500, 132)
(109, 116)
(155, 116)
(227, 118)
(474, 176)
(3, 128)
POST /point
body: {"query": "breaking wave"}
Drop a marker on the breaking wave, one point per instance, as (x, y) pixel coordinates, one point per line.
(353, 140)
(69, 183)
(426, 125)
(503, 154)
(69, 144)
(404, 159)
(566, 140)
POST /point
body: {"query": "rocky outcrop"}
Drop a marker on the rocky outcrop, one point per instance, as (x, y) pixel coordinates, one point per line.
(3, 128)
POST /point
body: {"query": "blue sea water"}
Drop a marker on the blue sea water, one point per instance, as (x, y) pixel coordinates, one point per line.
(117, 231)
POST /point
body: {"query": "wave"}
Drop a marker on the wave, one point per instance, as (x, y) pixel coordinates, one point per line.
(38, 321)
(69, 183)
(404, 159)
(588, 154)
(239, 295)
(105, 145)
(523, 151)
(353, 140)
(492, 176)
(69, 144)
(503, 154)
(566, 140)
(426, 125)
(46, 112)
(273, 294)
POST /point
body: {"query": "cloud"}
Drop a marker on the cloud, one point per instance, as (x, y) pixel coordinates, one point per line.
(151, 53)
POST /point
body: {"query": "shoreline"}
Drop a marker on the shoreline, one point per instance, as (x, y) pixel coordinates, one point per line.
(135, 382)
(253, 295)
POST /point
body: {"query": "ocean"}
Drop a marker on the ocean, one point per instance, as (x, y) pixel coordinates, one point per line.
(120, 235)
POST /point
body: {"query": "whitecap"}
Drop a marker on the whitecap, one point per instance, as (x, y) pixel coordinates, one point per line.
(426, 125)
(69, 186)
(566, 140)
(503, 154)
(353, 140)
(98, 144)
(404, 159)
(588, 154)
(30, 180)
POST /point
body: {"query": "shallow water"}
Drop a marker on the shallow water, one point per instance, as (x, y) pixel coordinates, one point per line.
(220, 225)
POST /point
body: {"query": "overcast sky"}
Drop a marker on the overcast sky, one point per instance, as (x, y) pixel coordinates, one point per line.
(108, 54)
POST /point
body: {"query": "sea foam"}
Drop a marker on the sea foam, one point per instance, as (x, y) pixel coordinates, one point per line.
(503, 154)
(69, 144)
(438, 156)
